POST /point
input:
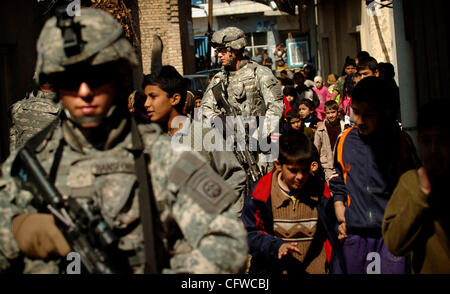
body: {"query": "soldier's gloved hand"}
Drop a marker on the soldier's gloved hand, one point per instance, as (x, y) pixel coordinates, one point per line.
(38, 236)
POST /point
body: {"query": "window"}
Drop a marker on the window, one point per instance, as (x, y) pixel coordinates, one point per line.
(256, 41)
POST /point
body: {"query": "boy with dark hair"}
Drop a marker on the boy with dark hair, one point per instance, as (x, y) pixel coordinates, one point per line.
(307, 113)
(361, 56)
(386, 72)
(326, 136)
(166, 94)
(367, 67)
(293, 123)
(369, 160)
(416, 218)
(304, 89)
(285, 80)
(283, 214)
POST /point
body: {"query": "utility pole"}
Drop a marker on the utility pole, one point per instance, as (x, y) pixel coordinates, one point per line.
(210, 30)
(210, 15)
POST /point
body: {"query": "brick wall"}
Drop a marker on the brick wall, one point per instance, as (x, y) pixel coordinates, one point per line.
(160, 17)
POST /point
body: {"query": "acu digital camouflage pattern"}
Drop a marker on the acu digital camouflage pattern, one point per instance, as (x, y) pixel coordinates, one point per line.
(194, 136)
(103, 42)
(252, 89)
(230, 37)
(31, 115)
(200, 232)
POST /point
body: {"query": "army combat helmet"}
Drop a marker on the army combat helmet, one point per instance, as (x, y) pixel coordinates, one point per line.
(230, 38)
(92, 38)
(88, 47)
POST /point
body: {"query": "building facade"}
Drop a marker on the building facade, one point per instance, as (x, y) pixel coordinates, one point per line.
(172, 21)
(264, 26)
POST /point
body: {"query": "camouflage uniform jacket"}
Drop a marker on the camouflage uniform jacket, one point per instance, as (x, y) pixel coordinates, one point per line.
(31, 115)
(210, 144)
(200, 233)
(253, 89)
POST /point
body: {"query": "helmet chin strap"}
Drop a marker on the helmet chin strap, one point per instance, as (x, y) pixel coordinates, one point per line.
(92, 118)
(231, 60)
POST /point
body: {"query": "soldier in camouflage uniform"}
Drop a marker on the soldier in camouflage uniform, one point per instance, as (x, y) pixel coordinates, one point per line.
(32, 114)
(252, 88)
(199, 233)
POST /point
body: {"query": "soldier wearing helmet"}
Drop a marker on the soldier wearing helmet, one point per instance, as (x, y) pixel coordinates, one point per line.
(92, 155)
(251, 89)
(32, 114)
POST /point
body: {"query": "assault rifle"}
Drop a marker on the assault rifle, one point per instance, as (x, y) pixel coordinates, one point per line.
(244, 156)
(80, 222)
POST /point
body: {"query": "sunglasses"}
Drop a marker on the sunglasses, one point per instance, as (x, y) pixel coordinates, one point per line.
(94, 76)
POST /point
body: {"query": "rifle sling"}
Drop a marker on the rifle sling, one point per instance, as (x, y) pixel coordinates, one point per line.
(217, 93)
(147, 206)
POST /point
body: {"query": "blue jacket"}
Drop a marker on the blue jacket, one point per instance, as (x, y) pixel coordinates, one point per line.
(368, 169)
(258, 220)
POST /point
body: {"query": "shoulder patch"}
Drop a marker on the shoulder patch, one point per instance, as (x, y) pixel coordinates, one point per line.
(210, 191)
(202, 184)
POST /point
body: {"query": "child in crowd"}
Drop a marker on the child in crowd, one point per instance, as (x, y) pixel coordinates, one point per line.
(305, 91)
(139, 111)
(367, 67)
(323, 94)
(293, 123)
(386, 72)
(361, 56)
(166, 95)
(331, 84)
(197, 113)
(290, 98)
(349, 68)
(131, 102)
(282, 214)
(369, 160)
(307, 113)
(326, 137)
(416, 218)
(345, 105)
(197, 101)
(285, 80)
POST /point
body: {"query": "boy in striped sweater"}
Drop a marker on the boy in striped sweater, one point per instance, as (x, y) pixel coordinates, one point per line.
(285, 213)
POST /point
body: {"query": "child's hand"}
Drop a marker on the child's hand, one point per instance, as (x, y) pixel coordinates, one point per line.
(342, 230)
(339, 209)
(286, 248)
(424, 181)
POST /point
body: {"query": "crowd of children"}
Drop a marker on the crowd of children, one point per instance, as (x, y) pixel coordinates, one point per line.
(348, 187)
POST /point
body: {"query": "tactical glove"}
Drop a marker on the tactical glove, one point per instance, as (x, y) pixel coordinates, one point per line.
(37, 236)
